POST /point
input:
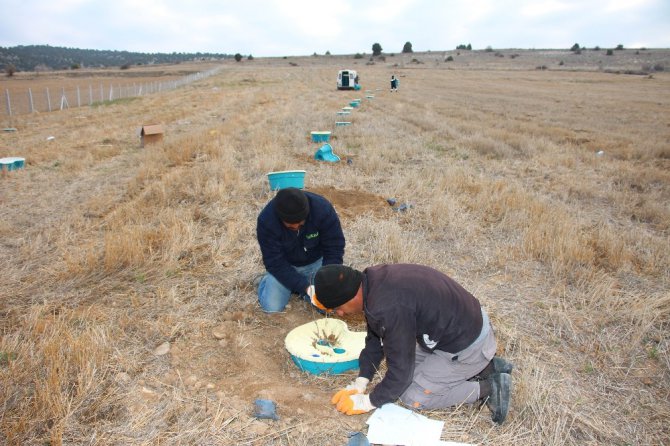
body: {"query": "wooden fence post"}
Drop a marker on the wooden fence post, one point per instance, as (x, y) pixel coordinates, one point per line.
(30, 98)
(9, 104)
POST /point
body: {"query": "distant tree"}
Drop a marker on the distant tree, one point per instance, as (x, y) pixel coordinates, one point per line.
(125, 66)
(250, 57)
(75, 66)
(609, 53)
(469, 47)
(489, 49)
(327, 53)
(596, 48)
(358, 56)
(575, 47)
(10, 69)
(407, 48)
(619, 47)
(449, 59)
(238, 57)
(376, 49)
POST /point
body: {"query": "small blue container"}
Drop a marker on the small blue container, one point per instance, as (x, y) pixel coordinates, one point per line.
(12, 163)
(354, 103)
(320, 136)
(287, 178)
(265, 409)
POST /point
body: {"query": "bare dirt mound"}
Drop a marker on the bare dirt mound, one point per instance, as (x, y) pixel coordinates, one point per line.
(351, 203)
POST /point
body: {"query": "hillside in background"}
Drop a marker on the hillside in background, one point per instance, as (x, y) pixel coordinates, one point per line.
(44, 57)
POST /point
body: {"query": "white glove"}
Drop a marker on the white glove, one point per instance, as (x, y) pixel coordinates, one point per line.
(311, 291)
(355, 404)
(359, 385)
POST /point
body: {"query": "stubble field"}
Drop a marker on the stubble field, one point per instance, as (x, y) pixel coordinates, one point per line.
(544, 192)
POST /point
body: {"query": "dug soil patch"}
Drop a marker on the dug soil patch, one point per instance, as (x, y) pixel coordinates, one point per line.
(352, 203)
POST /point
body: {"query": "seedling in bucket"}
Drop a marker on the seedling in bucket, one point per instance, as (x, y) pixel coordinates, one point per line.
(325, 346)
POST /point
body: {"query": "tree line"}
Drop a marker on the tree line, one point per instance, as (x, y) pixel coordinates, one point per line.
(46, 57)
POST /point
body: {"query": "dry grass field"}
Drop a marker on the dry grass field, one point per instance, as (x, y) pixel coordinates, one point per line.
(544, 192)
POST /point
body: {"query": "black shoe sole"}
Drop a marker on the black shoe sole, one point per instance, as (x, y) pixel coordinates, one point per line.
(503, 397)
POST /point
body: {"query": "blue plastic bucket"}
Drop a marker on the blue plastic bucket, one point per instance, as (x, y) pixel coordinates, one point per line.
(318, 368)
(320, 136)
(287, 178)
(12, 163)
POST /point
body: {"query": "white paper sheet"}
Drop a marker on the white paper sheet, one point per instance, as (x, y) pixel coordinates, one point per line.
(392, 424)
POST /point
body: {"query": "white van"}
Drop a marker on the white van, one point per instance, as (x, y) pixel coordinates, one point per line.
(347, 80)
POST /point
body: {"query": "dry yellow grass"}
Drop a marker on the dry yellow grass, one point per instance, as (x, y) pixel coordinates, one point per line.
(110, 250)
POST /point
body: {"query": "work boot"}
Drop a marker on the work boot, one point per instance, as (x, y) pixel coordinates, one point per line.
(500, 365)
(497, 365)
(499, 399)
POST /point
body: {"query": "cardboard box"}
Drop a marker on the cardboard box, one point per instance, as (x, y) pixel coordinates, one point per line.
(151, 134)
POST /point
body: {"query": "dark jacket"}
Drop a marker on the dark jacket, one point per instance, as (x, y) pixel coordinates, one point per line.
(320, 237)
(409, 304)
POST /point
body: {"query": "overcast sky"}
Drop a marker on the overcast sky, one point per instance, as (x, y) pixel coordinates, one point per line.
(266, 28)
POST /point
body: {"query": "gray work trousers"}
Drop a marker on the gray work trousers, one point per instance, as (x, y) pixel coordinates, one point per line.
(441, 378)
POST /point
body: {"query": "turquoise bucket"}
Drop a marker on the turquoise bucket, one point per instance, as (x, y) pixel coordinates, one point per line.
(320, 136)
(12, 163)
(287, 178)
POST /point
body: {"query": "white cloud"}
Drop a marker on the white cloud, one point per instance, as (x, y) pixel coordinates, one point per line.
(544, 8)
(301, 27)
(380, 11)
(615, 6)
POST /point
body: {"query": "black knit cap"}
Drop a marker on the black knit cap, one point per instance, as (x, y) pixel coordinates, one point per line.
(336, 285)
(291, 205)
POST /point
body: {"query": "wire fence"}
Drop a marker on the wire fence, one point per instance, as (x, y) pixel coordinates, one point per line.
(47, 100)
